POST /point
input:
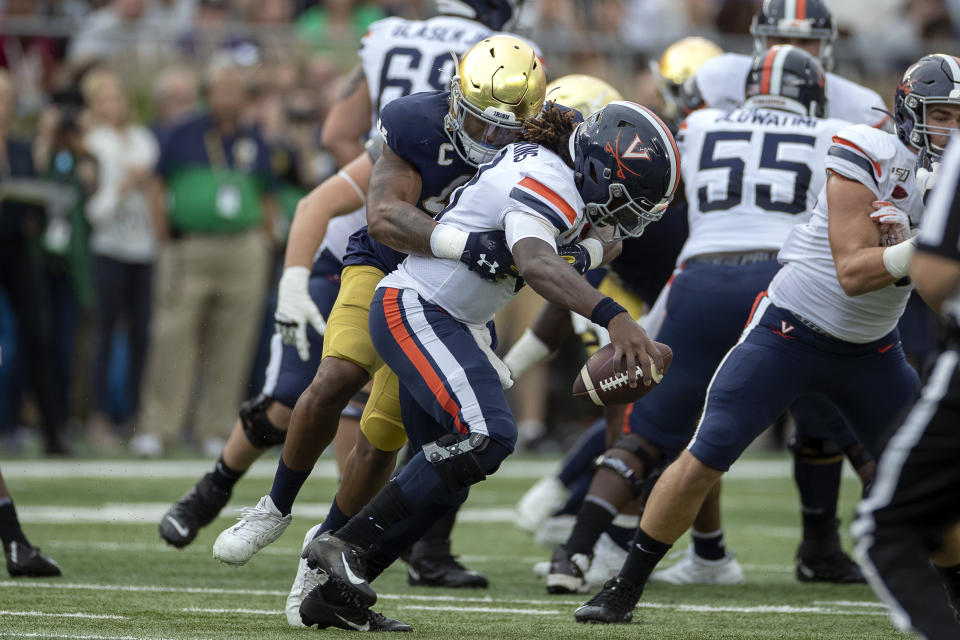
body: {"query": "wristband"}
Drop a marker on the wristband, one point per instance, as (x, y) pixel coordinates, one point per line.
(605, 311)
(448, 242)
(595, 249)
(897, 258)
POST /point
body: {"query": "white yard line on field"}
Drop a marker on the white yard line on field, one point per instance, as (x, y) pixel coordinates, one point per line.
(252, 612)
(152, 512)
(88, 636)
(266, 466)
(828, 608)
(44, 614)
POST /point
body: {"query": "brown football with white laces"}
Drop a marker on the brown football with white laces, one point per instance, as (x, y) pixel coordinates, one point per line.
(598, 383)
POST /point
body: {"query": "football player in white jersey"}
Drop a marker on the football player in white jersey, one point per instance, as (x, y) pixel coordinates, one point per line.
(404, 56)
(750, 176)
(828, 325)
(804, 23)
(619, 170)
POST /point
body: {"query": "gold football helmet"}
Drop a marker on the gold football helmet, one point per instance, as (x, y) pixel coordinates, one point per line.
(678, 64)
(586, 94)
(499, 82)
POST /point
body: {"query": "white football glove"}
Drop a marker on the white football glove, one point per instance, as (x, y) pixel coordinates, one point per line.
(295, 309)
(926, 179)
(894, 223)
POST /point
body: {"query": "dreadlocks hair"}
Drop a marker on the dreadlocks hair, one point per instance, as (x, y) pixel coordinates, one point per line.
(552, 129)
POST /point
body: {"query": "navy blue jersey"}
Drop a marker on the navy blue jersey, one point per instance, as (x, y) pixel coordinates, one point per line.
(412, 127)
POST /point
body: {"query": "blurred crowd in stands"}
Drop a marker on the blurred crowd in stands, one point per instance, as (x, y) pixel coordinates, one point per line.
(105, 109)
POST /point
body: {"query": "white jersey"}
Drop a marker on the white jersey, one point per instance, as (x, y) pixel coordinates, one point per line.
(750, 176)
(400, 57)
(722, 83)
(524, 179)
(807, 285)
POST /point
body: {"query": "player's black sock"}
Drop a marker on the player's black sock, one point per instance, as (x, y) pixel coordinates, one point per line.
(225, 477)
(595, 516)
(708, 546)
(818, 481)
(10, 530)
(643, 557)
(388, 508)
(334, 521)
(286, 486)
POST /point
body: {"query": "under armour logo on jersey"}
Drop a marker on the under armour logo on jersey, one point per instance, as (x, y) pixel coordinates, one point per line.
(635, 150)
(483, 263)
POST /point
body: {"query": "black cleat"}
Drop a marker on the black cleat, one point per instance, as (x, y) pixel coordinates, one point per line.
(195, 510)
(824, 560)
(614, 604)
(567, 572)
(342, 562)
(440, 569)
(317, 610)
(27, 562)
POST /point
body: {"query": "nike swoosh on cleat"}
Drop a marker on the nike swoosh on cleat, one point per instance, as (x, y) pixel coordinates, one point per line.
(351, 576)
(356, 627)
(182, 530)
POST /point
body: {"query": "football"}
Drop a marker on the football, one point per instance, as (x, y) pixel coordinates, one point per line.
(598, 383)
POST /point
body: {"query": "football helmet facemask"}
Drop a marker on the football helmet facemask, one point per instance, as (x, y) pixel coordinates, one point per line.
(932, 80)
(787, 78)
(499, 82)
(626, 166)
(802, 19)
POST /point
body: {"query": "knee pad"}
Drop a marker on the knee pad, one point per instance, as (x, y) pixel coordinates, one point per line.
(633, 444)
(818, 451)
(257, 426)
(458, 462)
(381, 422)
(622, 469)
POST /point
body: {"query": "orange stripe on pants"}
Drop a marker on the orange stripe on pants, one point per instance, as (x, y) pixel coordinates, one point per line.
(399, 331)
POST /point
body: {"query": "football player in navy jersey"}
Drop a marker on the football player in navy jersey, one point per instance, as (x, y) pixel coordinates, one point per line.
(397, 57)
(826, 324)
(428, 321)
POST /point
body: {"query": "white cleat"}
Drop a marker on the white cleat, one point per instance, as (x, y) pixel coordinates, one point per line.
(303, 584)
(542, 499)
(692, 569)
(608, 558)
(257, 527)
(555, 530)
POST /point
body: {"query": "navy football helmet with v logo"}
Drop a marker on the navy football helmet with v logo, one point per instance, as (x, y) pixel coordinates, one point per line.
(499, 15)
(627, 167)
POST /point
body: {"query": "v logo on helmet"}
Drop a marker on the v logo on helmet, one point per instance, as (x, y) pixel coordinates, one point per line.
(636, 151)
(614, 150)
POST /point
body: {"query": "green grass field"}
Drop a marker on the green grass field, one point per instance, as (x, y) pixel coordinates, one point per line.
(99, 521)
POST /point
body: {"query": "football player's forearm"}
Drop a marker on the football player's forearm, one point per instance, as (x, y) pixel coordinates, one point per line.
(937, 278)
(553, 278)
(336, 196)
(402, 227)
(862, 271)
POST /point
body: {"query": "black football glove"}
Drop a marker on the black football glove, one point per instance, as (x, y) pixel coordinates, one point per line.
(487, 255)
(577, 255)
